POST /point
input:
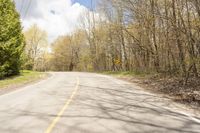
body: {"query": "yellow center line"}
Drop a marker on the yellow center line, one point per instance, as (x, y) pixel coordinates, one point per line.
(55, 121)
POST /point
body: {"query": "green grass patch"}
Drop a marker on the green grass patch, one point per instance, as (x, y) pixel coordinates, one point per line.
(24, 77)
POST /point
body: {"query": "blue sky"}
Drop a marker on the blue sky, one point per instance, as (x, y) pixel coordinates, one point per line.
(86, 3)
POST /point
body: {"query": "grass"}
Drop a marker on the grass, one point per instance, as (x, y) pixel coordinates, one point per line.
(127, 73)
(24, 78)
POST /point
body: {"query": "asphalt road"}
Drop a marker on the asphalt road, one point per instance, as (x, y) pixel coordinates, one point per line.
(91, 103)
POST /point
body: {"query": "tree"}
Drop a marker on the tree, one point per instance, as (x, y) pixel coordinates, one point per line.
(36, 48)
(146, 35)
(66, 52)
(11, 39)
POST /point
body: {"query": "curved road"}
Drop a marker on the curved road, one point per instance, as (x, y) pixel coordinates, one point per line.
(90, 103)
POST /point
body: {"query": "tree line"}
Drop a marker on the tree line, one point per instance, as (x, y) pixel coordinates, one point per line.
(161, 36)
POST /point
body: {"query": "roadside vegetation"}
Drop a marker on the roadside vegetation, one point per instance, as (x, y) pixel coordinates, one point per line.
(127, 74)
(13, 58)
(144, 36)
(11, 39)
(170, 86)
(23, 78)
(140, 36)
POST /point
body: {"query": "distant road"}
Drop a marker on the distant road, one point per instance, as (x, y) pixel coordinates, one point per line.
(90, 103)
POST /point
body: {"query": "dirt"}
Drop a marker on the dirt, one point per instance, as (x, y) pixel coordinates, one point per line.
(174, 88)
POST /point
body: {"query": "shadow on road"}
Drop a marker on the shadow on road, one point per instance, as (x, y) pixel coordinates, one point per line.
(117, 109)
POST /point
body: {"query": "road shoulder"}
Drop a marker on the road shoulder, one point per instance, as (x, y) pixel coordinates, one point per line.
(160, 87)
(24, 79)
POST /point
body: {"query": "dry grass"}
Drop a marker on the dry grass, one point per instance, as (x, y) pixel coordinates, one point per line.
(24, 78)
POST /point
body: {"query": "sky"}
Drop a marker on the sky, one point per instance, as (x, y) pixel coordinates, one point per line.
(56, 17)
(90, 4)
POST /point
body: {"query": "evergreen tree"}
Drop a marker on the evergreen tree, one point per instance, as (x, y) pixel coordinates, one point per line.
(11, 39)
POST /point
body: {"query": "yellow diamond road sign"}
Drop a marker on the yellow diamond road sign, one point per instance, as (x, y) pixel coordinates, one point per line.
(117, 61)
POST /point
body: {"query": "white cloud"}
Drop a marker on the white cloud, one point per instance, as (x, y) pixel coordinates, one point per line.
(57, 17)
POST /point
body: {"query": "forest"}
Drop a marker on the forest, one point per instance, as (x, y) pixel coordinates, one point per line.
(161, 36)
(148, 36)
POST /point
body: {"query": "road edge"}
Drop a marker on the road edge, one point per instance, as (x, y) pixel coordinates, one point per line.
(10, 89)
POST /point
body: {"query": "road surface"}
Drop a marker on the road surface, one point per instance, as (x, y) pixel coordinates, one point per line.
(90, 103)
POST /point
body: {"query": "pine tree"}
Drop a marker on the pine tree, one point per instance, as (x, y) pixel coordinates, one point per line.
(11, 39)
